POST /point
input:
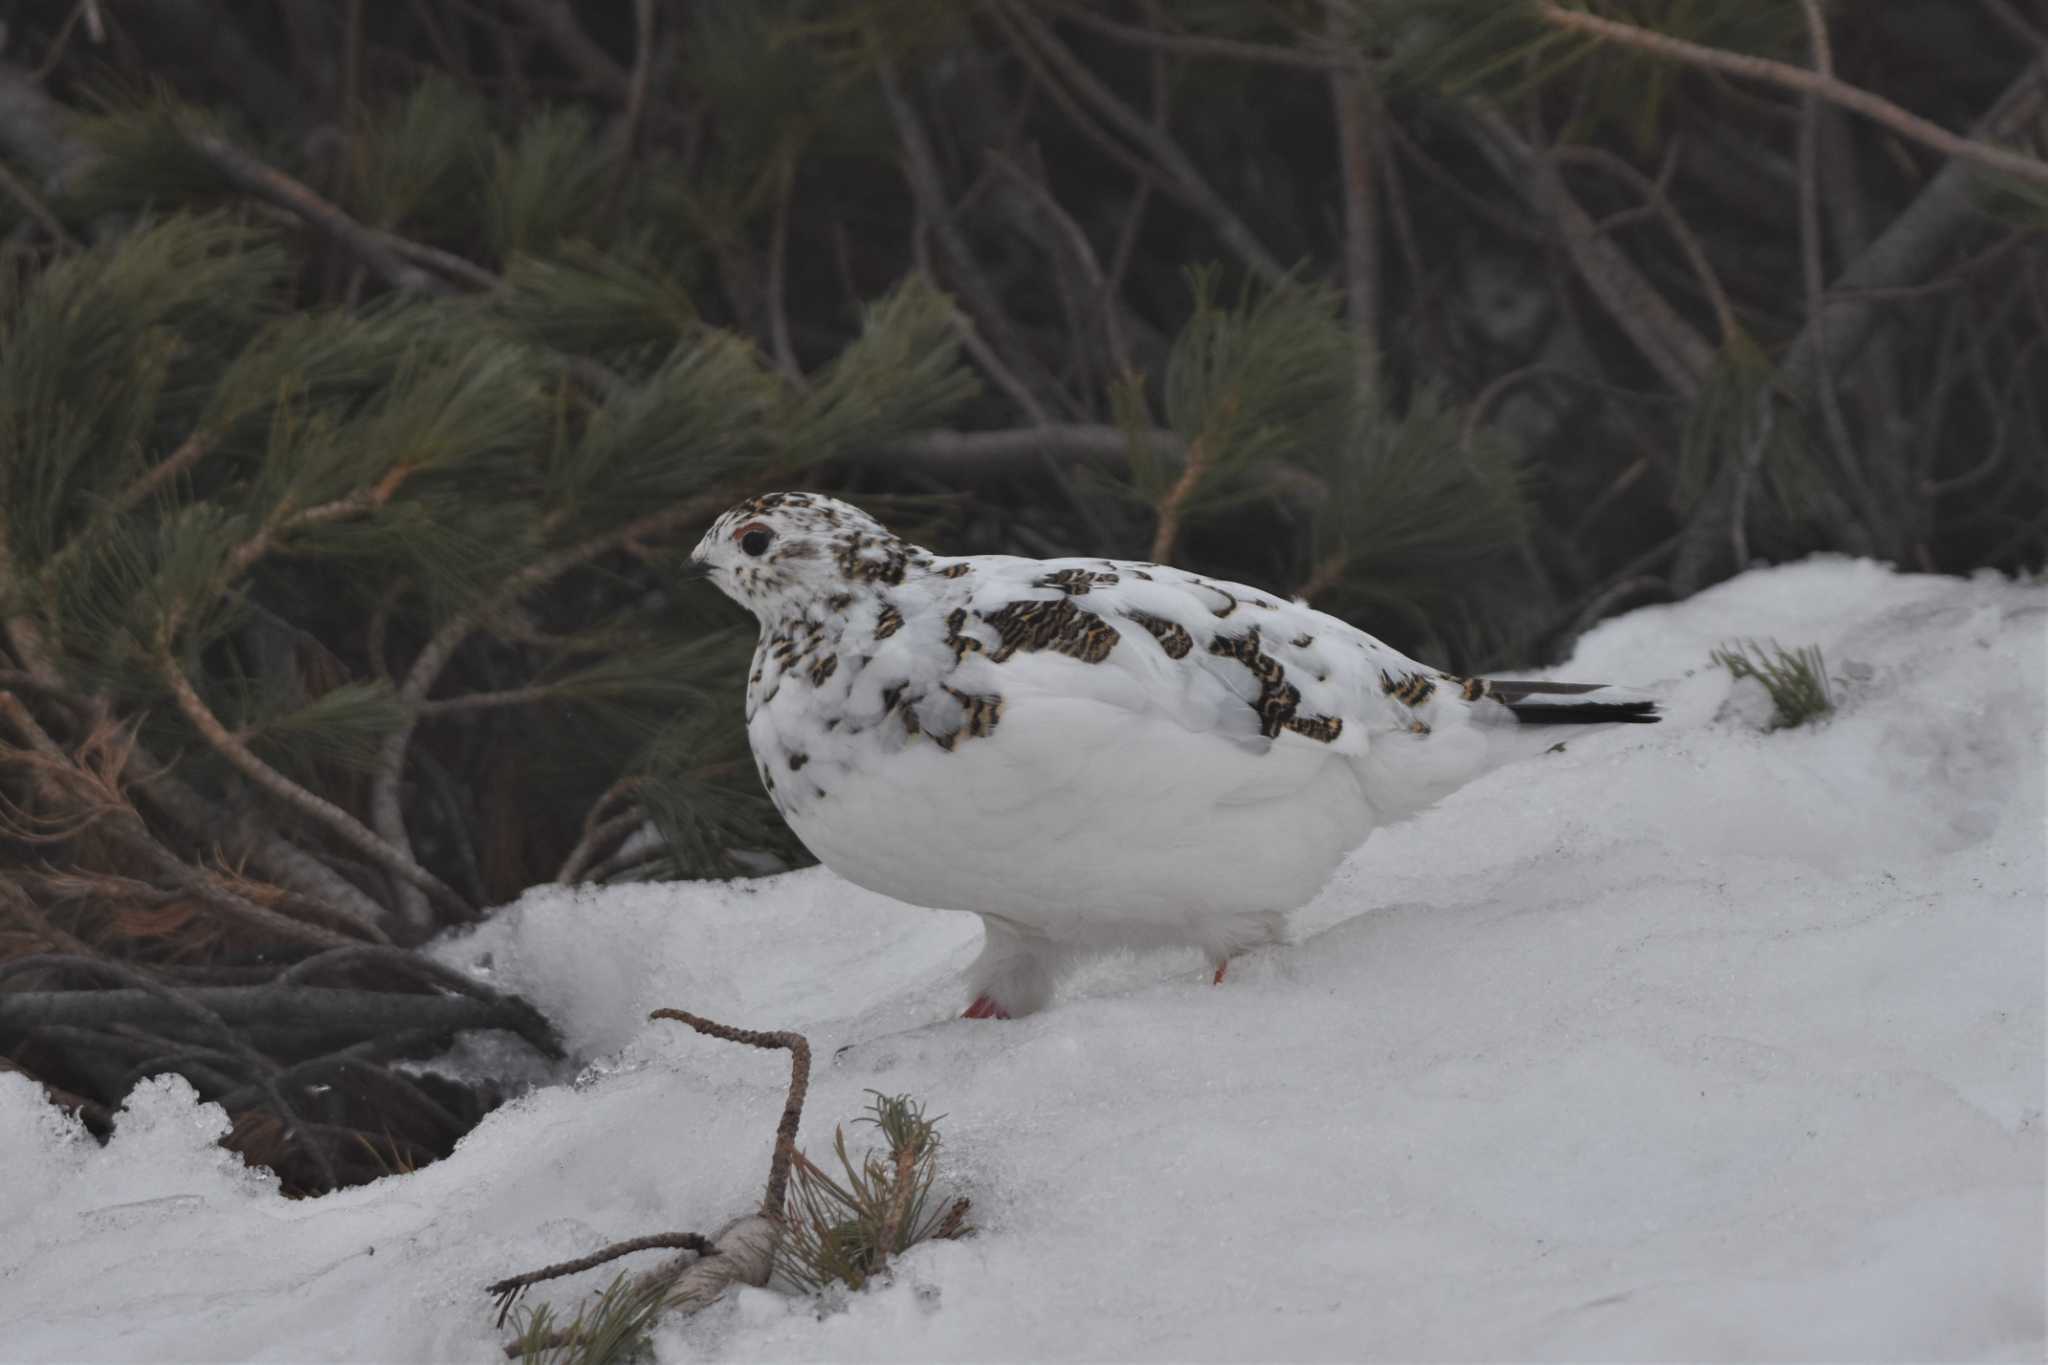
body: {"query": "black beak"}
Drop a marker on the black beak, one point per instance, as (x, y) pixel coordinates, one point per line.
(694, 568)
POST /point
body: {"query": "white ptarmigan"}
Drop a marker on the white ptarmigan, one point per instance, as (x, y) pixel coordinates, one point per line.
(1087, 753)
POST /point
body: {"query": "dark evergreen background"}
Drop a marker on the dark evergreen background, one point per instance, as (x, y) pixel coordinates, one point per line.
(367, 368)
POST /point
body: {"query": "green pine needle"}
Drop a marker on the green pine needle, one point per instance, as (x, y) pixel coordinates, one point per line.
(1796, 679)
(547, 184)
(614, 1330)
(845, 1230)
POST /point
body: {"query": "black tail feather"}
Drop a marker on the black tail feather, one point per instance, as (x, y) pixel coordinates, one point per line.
(1585, 712)
(1508, 690)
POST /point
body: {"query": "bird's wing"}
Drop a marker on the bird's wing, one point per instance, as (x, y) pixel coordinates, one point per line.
(1212, 656)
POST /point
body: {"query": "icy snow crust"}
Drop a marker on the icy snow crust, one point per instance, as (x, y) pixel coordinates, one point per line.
(1690, 1041)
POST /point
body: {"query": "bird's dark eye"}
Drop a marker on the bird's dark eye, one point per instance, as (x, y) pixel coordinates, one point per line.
(755, 542)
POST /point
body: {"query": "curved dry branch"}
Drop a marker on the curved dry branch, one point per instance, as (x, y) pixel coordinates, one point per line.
(799, 1050)
(743, 1251)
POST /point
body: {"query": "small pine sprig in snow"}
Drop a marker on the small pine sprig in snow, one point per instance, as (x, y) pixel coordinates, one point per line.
(613, 1330)
(1796, 679)
(846, 1231)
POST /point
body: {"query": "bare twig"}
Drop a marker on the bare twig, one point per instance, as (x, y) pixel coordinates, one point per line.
(508, 1290)
(1658, 202)
(598, 832)
(1665, 339)
(792, 1107)
(1102, 298)
(1814, 278)
(1206, 46)
(557, 19)
(2016, 24)
(1174, 504)
(33, 204)
(778, 278)
(1358, 118)
(743, 1250)
(1181, 176)
(190, 452)
(977, 345)
(246, 173)
(1786, 76)
(927, 189)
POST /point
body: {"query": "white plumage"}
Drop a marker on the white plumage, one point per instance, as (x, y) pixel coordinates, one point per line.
(1088, 753)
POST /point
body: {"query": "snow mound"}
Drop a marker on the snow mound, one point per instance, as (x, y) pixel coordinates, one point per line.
(1687, 1041)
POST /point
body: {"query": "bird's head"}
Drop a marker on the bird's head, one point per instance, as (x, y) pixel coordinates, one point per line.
(780, 553)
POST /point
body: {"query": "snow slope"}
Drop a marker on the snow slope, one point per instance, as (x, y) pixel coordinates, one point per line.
(1690, 1041)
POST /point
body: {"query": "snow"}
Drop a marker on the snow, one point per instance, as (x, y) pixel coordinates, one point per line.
(1690, 1041)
